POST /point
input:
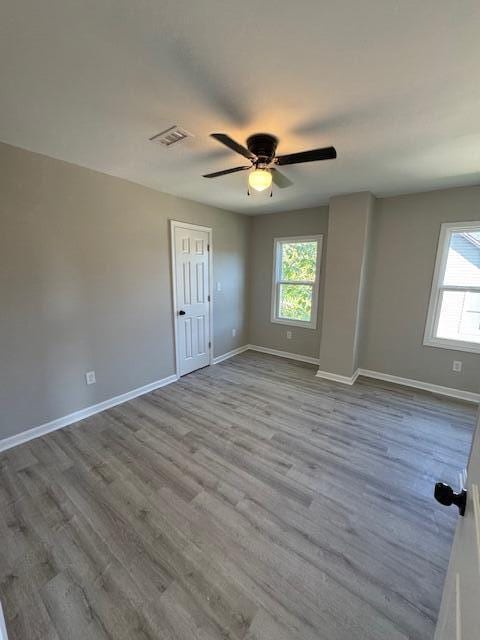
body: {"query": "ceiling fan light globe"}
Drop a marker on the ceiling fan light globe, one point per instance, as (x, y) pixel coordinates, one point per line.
(260, 179)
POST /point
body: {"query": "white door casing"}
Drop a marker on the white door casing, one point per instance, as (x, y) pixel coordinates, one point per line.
(459, 617)
(191, 268)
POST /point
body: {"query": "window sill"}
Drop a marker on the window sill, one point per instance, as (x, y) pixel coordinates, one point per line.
(294, 323)
(453, 345)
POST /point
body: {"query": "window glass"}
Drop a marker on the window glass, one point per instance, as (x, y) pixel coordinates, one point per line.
(296, 301)
(299, 261)
(459, 317)
(463, 260)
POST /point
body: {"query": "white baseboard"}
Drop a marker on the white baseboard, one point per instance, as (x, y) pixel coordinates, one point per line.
(59, 423)
(3, 628)
(470, 396)
(283, 354)
(336, 377)
(230, 354)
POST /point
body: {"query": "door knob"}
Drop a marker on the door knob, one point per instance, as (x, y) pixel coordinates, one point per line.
(444, 494)
(181, 313)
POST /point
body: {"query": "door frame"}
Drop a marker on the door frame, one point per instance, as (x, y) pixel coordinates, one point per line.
(175, 224)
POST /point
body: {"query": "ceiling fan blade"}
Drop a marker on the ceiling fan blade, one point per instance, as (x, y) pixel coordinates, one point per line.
(280, 179)
(234, 146)
(216, 174)
(327, 153)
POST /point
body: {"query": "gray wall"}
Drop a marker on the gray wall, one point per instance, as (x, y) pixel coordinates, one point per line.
(85, 284)
(404, 245)
(264, 229)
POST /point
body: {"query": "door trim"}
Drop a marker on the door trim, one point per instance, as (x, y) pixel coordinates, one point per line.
(177, 224)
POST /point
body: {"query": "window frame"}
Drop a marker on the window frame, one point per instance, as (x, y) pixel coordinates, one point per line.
(277, 281)
(433, 315)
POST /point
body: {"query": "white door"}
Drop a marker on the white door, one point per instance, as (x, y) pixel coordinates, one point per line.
(192, 296)
(459, 617)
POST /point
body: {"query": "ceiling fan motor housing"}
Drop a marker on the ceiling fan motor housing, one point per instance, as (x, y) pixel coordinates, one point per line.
(264, 146)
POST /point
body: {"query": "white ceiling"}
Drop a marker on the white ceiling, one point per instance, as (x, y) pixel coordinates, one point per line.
(393, 85)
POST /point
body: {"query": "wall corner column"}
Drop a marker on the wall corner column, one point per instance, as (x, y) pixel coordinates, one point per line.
(348, 244)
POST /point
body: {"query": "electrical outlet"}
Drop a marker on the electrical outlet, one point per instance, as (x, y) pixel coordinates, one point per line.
(234, 332)
(289, 335)
(457, 366)
(90, 377)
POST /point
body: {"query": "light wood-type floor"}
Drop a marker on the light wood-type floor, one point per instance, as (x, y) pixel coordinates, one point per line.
(249, 500)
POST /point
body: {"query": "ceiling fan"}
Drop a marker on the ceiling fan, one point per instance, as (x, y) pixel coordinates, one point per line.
(260, 150)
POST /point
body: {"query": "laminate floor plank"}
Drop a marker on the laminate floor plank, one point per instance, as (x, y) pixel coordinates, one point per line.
(248, 501)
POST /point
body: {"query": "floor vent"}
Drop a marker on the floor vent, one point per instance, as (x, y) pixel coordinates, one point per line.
(171, 136)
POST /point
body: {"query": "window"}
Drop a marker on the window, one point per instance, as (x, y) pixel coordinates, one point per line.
(296, 274)
(453, 320)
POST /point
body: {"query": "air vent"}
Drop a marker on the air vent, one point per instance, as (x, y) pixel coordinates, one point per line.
(171, 136)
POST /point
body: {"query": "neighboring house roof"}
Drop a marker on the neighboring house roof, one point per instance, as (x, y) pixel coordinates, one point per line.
(474, 238)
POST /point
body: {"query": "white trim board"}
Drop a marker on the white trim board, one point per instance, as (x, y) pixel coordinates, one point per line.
(76, 416)
(71, 418)
(469, 396)
(230, 354)
(277, 281)
(3, 628)
(283, 354)
(59, 423)
(430, 338)
(336, 377)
